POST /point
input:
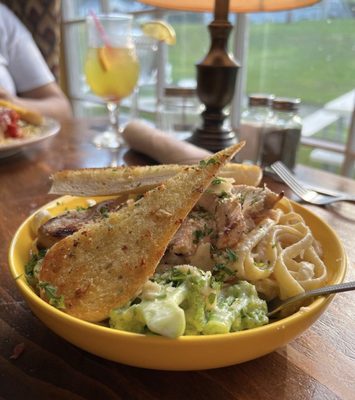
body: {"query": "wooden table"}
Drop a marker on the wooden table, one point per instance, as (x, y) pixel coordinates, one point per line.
(320, 364)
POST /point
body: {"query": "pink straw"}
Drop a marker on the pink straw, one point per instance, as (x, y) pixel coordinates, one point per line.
(100, 29)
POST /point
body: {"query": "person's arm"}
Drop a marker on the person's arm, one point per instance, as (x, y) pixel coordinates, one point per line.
(47, 99)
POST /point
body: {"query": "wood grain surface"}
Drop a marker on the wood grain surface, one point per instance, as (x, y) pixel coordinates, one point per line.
(37, 364)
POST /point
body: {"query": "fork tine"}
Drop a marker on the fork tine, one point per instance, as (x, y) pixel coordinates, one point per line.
(286, 173)
(291, 183)
(287, 176)
(308, 195)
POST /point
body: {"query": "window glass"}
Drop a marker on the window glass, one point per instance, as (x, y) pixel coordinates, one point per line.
(308, 53)
(192, 44)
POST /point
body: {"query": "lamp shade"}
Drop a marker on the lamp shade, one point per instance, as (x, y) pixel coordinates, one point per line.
(238, 6)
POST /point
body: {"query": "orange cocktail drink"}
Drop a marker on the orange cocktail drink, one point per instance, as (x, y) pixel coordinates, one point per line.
(112, 72)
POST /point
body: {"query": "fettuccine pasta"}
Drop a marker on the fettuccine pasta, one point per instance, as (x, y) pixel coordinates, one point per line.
(280, 256)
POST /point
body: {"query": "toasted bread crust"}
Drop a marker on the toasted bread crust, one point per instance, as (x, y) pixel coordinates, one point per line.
(138, 179)
(103, 265)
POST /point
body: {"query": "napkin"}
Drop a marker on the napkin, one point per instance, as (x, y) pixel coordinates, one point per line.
(160, 146)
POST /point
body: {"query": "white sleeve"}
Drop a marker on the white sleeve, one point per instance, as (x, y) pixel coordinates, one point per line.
(25, 62)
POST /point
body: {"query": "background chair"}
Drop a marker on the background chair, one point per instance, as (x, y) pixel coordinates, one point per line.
(42, 18)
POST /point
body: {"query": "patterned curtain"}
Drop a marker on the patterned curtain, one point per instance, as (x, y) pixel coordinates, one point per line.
(42, 18)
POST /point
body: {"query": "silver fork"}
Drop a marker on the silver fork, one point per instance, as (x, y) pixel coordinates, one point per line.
(275, 306)
(310, 196)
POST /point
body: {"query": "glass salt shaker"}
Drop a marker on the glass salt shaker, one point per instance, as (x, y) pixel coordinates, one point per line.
(180, 112)
(252, 126)
(282, 135)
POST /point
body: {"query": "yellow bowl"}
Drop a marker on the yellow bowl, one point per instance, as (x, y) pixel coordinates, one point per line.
(184, 353)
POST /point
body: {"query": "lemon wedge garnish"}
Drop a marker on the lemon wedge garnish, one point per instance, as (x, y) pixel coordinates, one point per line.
(159, 30)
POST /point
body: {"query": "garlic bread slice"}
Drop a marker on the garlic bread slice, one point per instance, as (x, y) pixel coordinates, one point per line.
(137, 179)
(105, 264)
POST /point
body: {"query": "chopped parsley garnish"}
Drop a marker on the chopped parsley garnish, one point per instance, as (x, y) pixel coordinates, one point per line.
(241, 198)
(51, 294)
(223, 195)
(176, 276)
(221, 272)
(231, 256)
(80, 208)
(29, 267)
(104, 211)
(217, 181)
(199, 234)
(204, 163)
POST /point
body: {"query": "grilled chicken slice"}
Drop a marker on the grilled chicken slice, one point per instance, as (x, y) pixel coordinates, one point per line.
(66, 224)
(255, 202)
(241, 212)
(220, 219)
(195, 229)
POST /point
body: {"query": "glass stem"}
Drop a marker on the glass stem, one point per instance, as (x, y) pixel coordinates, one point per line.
(113, 110)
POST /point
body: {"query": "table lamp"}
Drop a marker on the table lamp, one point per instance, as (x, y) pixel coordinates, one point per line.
(217, 72)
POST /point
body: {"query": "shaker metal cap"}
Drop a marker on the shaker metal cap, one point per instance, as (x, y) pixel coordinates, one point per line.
(260, 99)
(286, 103)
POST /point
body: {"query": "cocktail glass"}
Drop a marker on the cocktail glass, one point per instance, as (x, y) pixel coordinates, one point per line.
(111, 69)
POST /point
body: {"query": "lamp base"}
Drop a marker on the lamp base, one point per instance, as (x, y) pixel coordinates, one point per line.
(216, 77)
(213, 136)
(215, 88)
(213, 141)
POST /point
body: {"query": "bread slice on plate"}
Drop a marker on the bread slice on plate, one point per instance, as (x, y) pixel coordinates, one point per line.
(30, 116)
(137, 179)
(105, 264)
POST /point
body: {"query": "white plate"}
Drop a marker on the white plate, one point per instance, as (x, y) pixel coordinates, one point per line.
(49, 128)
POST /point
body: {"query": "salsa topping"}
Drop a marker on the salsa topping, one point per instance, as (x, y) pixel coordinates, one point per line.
(9, 127)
